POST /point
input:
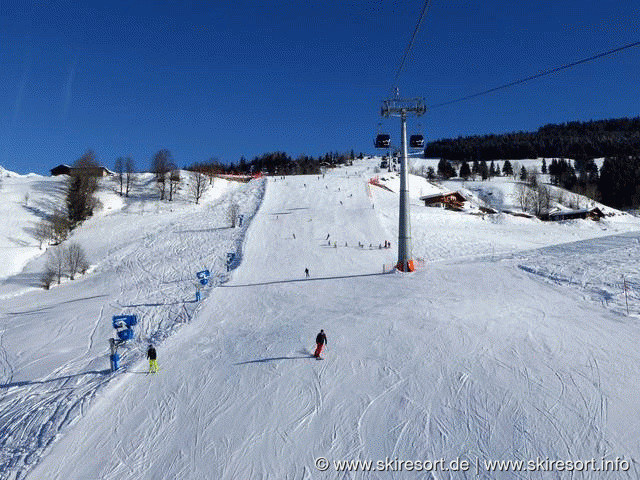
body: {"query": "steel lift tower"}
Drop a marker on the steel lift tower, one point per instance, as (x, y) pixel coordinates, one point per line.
(398, 107)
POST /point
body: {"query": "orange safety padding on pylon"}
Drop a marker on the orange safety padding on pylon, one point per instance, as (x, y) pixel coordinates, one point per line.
(409, 266)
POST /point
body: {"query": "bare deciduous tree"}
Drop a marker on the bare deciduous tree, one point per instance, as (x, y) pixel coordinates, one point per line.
(515, 170)
(75, 260)
(542, 198)
(174, 181)
(162, 185)
(43, 232)
(47, 277)
(161, 164)
(234, 210)
(119, 168)
(198, 186)
(522, 196)
(533, 199)
(60, 226)
(574, 201)
(212, 169)
(70, 260)
(56, 262)
(129, 168)
(560, 197)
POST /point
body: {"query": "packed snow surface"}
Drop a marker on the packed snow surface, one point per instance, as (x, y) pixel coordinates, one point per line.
(511, 342)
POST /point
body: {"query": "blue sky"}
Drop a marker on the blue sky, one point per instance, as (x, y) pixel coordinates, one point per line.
(206, 80)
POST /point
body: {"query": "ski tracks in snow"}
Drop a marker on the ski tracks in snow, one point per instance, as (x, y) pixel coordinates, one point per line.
(6, 369)
(468, 365)
(153, 273)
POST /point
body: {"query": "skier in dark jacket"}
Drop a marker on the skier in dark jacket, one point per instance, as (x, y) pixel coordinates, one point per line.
(153, 363)
(321, 341)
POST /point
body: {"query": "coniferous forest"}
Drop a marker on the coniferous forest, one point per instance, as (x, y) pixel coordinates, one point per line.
(594, 139)
(616, 184)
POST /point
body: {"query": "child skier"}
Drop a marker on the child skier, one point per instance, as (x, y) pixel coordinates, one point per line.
(153, 363)
(321, 341)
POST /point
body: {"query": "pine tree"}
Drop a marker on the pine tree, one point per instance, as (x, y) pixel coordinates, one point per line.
(80, 189)
(507, 170)
(619, 181)
(484, 170)
(475, 168)
(445, 169)
(523, 174)
(465, 171)
(554, 172)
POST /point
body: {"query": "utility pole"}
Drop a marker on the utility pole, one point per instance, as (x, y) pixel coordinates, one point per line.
(398, 107)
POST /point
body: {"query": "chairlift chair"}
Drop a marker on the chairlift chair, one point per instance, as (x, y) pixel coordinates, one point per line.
(416, 141)
(383, 140)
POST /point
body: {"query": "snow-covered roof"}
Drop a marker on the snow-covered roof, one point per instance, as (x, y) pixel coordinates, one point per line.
(579, 211)
(456, 194)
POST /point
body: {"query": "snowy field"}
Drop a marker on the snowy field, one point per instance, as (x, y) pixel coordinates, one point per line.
(511, 342)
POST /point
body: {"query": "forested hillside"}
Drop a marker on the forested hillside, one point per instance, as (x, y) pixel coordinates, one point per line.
(593, 139)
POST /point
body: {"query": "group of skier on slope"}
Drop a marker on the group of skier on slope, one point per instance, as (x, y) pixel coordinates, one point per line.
(152, 355)
(321, 338)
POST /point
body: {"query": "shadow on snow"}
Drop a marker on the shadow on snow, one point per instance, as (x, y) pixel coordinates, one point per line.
(50, 380)
(273, 359)
(278, 282)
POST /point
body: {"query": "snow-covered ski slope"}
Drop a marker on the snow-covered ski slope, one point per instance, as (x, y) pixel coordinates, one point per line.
(144, 256)
(511, 343)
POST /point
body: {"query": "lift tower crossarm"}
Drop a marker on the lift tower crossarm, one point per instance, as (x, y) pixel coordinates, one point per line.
(395, 107)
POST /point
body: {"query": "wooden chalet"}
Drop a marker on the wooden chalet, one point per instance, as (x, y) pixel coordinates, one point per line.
(89, 171)
(60, 170)
(557, 216)
(450, 200)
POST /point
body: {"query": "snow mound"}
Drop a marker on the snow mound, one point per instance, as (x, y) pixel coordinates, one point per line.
(6, 173)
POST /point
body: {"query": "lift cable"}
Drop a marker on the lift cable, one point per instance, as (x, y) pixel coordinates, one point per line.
(537, 75)
(413, 37)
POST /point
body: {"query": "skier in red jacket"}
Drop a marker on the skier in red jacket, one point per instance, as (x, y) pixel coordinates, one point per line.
(321, 341)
